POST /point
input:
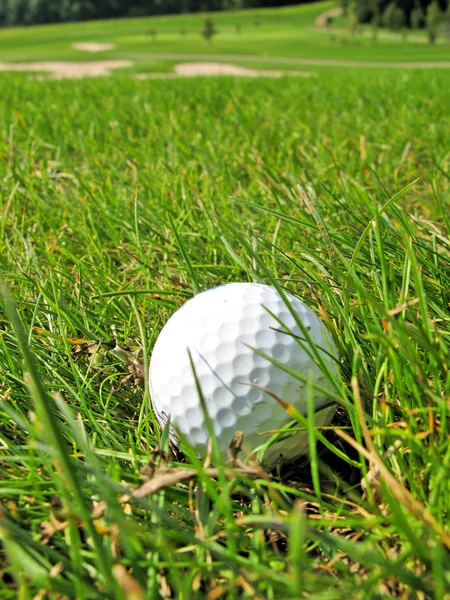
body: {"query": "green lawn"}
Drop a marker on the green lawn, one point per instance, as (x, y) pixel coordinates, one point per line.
(90, 171)
(287, 32)
(118, 199)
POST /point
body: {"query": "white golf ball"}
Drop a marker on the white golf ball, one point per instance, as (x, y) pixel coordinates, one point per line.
(221, 327)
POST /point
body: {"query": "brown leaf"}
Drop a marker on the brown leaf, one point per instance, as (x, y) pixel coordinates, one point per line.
(164, 477)
(43, 333)
(99, 510)
(98, 352)
(101, 528)
(248, 589)
(157, 458)
(58, 525)
(56, 569)
(129, 585)
(49, 528)
(165, 588)
(130, 358)
(371, 483)
(47, 531)
(216, 592)
(86, 348)
(235, 446)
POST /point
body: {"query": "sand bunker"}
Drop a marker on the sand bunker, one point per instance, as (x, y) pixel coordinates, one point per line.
(199, 69)
(321, 20)
(210, 68)
(70, 70)
(76, 70)
(93, 46)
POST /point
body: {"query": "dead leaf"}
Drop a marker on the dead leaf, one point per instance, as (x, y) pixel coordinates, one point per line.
(129, 585)
(216, 592)
(56, 569)
(95, 351)
(371, 483)
(235, 446)
(165, 588)
(248, 589)
(157, 458)
(99, 510)
(49, 528)
(164, 477)
(100, 352)
(130, 358)
(401, 307)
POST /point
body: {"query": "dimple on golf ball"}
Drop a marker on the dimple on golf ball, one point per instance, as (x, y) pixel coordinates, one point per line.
(222, 328)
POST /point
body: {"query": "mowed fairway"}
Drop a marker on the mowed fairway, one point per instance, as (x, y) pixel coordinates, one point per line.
(155, 43)
(121, 198)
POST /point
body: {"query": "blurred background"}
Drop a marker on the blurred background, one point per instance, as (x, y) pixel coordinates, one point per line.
(149, 37)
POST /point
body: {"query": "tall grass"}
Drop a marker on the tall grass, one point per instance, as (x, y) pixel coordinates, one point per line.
(117, 205)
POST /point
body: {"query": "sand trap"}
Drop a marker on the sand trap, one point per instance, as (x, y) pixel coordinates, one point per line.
(93, 46)
(194, 69)
(70, 70)
(321, 20)
(76, 70)
(199, 69)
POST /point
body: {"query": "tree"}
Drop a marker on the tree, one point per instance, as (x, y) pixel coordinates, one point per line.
(329, 23)
(394, 17)
(66, 10)
(375, 22)
(352, 17)
(209, 29)
(446, 23)
(344, 5)
(24, 12)
(49, 11)
(9, 12)
(433, 19)
(364, 10)
(231, 4)
(417, 17)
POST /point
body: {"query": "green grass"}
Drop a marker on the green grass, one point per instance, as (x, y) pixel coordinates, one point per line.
(89, 172)
(286, 32)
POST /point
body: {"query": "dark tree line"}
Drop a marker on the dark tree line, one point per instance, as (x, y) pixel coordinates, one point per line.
(400, 16)
(26, 12)
(393, 13)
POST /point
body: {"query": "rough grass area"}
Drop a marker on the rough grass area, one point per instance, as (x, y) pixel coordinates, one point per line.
(117, 202)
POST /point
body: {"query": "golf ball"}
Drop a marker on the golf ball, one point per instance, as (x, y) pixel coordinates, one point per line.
(222, 328)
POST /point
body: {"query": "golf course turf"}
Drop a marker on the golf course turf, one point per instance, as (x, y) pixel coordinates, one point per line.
(119, 200)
